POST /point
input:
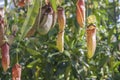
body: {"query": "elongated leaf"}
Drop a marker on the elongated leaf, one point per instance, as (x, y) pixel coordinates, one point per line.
(54, 4)
(33, 62)
(32, 52)
(103, 61)
(31, 16)
(6, 2)
(111, 32)
(116, 64)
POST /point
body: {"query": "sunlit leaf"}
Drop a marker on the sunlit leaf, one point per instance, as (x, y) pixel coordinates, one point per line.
(54, 5)
(32, 52)
(30, 65)
(30, 19)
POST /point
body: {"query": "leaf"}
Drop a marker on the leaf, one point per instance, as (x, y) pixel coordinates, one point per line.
(32, 52)
(33, 63)
(72, 44)
(54, 5)
(67, 54)
(51, 55)
(116, 64)
(31, 16)
(6, 2)
(111, 32)
(103, 61)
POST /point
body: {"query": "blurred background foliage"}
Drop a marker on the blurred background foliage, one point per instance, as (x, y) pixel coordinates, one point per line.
(41, 60)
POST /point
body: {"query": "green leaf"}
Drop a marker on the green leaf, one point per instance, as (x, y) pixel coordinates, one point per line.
(103, 61)
(54, 5)
(33, 63)
(67, 53)
(30, 19)
(6, 3)
(116, 64)
(111, 32)
(32, 52)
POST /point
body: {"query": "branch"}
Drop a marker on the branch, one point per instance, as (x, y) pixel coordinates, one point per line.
(14, 3)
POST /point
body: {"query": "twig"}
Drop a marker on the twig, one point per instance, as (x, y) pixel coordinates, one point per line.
(14, 3)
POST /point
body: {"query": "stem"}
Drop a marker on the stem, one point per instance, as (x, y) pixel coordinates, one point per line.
(17, 60)
(6, 2)
(115, 19)
(17, 57)
(14, 3)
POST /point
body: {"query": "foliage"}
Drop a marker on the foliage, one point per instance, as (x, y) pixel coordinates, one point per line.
(41, 60)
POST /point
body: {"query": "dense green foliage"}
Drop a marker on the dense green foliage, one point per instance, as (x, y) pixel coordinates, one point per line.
(41, 60)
